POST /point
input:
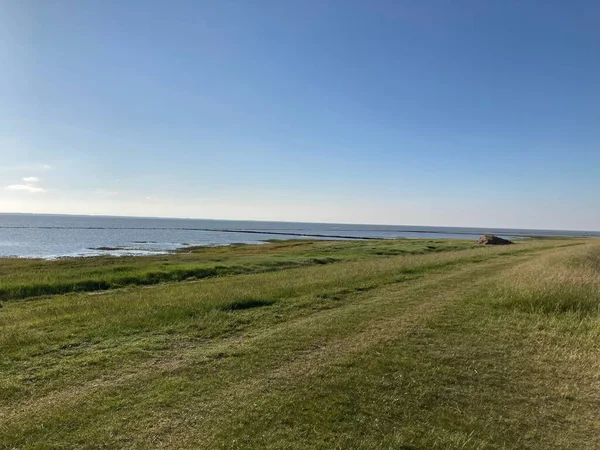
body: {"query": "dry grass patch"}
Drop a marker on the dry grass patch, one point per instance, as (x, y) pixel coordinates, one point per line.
(563, 282)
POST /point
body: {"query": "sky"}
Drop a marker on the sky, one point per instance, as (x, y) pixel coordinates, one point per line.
(457, 113)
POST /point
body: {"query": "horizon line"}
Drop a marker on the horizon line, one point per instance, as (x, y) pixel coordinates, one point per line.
(289, 221)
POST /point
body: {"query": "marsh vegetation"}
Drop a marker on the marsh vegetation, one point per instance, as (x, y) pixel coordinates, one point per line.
(306, 344)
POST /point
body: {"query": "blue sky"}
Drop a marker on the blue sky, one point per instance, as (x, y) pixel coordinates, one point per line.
(404, 112)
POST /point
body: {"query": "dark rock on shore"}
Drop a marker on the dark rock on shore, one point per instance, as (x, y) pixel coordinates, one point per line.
(490, 239)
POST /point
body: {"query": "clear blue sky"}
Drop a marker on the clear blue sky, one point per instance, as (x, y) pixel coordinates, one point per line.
(475, 113)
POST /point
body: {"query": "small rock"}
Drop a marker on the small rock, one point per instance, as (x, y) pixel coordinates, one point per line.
(490, 239)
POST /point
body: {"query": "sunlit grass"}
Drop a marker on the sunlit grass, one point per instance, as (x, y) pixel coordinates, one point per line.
(30, 278)
(563, 283)
(483, 348)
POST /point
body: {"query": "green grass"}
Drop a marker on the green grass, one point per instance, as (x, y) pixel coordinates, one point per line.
(482, 348)
(25, 278)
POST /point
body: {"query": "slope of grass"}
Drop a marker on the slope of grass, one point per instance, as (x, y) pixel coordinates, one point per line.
(26, 278)
(422, 351)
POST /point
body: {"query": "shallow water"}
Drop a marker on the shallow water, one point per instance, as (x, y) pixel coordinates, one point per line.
(54, 236)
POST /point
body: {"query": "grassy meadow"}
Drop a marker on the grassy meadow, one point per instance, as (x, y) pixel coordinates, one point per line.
(396, 344)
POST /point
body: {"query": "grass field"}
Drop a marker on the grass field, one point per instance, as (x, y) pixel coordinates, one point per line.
(25, 278)
(406, 344)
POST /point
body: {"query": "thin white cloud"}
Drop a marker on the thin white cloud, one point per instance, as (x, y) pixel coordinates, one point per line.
(26, 188)
(31, 185)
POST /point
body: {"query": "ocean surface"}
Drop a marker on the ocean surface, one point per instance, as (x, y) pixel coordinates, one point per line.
(56, 236)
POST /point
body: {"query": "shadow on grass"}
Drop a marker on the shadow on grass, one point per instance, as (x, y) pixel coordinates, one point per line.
(250, 303)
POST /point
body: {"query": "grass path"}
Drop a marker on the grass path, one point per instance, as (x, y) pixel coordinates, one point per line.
(406, 352)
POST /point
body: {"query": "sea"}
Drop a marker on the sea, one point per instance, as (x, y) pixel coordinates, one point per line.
(66, 236)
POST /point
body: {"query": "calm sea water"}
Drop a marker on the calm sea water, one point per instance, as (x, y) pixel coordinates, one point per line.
(54, 236)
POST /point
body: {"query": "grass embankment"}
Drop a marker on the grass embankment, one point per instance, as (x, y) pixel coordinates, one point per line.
(487, 348)
(26, 278)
